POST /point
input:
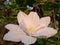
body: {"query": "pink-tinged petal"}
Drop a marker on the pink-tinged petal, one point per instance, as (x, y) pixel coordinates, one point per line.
(12, 27)
(14, 34)
(22, 17)
(34, 17)
(28, 39)
(45, 32)
(45, 21)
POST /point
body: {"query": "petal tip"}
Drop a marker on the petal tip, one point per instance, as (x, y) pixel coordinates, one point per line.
(20, 12)
(33, 12)
(8, 25)
(48, 17)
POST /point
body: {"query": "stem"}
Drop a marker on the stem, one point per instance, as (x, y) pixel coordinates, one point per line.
(54, 17)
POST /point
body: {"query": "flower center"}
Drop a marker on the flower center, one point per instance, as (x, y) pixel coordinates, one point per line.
(31, 30)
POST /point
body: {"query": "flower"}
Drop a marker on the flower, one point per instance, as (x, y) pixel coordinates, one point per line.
(29, 29)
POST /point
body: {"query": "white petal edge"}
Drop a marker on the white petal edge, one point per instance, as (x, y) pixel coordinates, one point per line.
(13, 27)
(14, 34)
(44, 22)
(47, 32)
(28, 40)
(22, 17)
(34, 17)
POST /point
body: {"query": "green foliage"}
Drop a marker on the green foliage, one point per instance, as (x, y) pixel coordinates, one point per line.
(48, 6)
(57, 7)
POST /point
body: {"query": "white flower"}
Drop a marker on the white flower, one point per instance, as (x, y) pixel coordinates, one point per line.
(29, 29)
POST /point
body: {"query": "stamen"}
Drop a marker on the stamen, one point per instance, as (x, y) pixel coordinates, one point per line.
(31, 29)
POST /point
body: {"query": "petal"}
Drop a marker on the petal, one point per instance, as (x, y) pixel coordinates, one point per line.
(45, 32)
(28, 39)
(34, 17)
(43, 22)
(22, 17)
(14, 34)
(13, 27)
